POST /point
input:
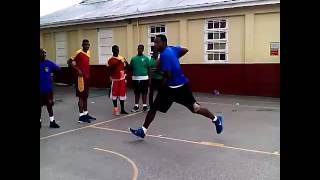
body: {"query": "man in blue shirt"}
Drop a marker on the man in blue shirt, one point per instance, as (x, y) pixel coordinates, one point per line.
(175, 88)
(46, 90)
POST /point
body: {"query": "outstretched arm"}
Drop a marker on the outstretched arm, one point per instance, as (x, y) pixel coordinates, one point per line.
(183, 52)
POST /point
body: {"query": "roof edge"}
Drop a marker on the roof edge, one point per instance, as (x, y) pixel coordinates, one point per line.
(168, 11)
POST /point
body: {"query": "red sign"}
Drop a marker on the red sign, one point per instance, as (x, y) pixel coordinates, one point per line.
(274, 48)
(274, 52)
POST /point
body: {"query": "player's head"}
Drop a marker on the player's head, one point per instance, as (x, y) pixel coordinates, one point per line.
(115, 50)
(140, 49)
(85, 45)
(160, 42)
(43, 54)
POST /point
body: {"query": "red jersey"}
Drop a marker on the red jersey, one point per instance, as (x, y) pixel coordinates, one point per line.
(82, 62)
(117, 65)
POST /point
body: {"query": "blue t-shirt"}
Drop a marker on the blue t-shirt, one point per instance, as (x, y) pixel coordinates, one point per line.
(46, 68)
(169, 61)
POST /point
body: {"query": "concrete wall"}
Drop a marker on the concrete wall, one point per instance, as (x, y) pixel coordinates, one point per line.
(250, 31)
(249, 34)
(266, 30)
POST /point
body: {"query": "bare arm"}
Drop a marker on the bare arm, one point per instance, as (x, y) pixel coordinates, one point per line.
(183, 52)
(73, 65)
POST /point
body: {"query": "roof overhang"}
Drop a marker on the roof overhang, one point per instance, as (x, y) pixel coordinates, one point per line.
(168, 11)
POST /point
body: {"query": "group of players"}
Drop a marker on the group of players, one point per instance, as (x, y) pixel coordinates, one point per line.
(161, 72)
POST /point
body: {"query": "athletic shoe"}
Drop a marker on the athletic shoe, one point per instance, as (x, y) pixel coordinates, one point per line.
(53, 124)
(145, 108)
(116, 111)
(219, 124)
(138, 132)
(90, 117)
(83, 119)
(124, 112)
(135, 109)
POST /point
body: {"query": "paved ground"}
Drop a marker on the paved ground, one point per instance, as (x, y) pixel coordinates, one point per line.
(180, 145)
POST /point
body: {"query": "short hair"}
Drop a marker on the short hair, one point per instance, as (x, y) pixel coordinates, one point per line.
(42, 50)
(141, 45)
(162, 37)
(85, 41)
(114, 47)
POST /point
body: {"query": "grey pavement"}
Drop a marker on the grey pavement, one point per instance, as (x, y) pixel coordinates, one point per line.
(180, 145)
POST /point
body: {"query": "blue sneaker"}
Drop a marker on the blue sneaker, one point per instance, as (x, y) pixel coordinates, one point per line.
(90, 117)
(84, 119)
(138, 132)
(219, 124)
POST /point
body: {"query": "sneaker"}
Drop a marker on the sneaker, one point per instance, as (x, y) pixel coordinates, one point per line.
(116, 111)
(135, 109)
(219, 124)
(90, 117)
(83, 119)
(53, 124)
(145, 108)
(138, 132)
(124, 112)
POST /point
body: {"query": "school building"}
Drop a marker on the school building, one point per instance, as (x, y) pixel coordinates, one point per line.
(234, 45)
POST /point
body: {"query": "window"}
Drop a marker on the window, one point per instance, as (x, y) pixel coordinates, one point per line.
(105, 42)
(61, 48)
(216, 42)
(152, 32)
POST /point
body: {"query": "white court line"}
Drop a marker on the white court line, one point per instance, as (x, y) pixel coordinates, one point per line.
(239, 100)
(265, 107)
(194, 142)
(77, 129)
(134, 166)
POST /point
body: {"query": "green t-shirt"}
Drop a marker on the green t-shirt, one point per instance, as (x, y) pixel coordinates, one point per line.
(140, 66)
(156, 74)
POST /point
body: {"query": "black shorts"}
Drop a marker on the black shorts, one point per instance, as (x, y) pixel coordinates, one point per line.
(46, 99)
(156, 84)
(166, 96)
(140, 86)
(85, 92)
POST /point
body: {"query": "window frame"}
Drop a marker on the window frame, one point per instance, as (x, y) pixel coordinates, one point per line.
(208, 41)
(150, 43)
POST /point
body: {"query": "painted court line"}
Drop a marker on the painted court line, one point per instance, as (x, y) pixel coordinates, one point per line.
(265, 107)
(77, 129)
(240, 100)
(193, 142)
(134, 166)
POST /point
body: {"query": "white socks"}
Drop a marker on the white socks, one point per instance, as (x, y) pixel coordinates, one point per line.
(51, 119)
(84, 113)
(215, 118)
(144, 105)
(144, 130)
(137, 105)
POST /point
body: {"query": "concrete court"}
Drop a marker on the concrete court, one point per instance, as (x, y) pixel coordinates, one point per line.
(180, 145)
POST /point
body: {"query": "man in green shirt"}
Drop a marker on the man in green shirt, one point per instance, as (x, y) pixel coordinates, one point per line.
(140, 65)
(156, 77)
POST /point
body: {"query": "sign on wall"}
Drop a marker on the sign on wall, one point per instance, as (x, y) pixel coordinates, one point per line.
(274, 48)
